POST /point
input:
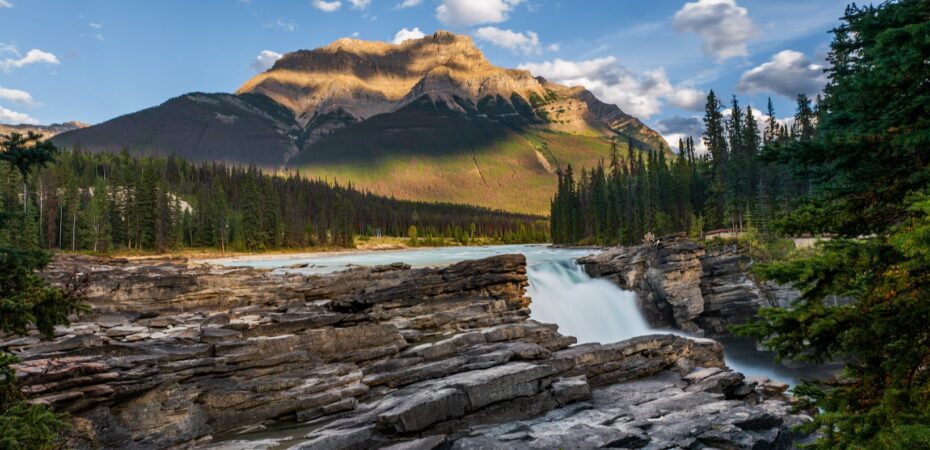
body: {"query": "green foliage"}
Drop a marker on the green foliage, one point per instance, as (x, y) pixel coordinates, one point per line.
(865, 295)
(26, 300)
(736, 180)
(30, 427)
(103, 203)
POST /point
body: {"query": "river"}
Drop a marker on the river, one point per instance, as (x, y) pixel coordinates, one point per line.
(592, 310)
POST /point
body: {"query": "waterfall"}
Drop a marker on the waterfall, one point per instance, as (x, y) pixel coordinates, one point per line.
(592, 310)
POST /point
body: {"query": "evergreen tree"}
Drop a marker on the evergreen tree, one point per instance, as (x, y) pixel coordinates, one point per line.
(868, 163)
(715, 142)
(98, 216)
(252, 230)
(26, 300)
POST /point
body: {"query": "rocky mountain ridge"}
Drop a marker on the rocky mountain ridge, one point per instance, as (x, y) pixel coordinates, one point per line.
(430, 119)
(47, 131)
(351, 80)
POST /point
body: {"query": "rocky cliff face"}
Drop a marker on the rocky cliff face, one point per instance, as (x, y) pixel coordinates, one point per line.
(351, 80)
(681, 284)
(173, 355)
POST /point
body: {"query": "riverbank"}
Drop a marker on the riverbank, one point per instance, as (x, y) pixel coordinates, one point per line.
(376, 356)
(372, 244)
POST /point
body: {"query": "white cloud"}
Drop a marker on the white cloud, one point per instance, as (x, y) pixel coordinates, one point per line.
(721, 24)
(265, 60)
(95, 25)
(282, 24)
(360, 4)
(410, 3)
(405, 34)
(672, 139)
(640, 94)
(33, 56)
(787, 73)
(526, 43)
(5, 4)
(16, 96)
(474, 12)
(14, 118)
(325, 6)
(688, 98)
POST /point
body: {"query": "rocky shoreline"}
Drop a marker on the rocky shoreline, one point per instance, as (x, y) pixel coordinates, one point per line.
(174, 355)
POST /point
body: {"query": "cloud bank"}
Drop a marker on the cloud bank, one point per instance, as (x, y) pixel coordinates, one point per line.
(265, 60)
(16, 96)
(526, 42)
(325, 6)
(405, 34)
(475, 12)
(723, 26)
(34, 56)
(787, 73)
(638, 93)
(15, 118)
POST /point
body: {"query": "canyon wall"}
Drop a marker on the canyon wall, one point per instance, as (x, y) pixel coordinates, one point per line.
(685, 285)
(178, 355)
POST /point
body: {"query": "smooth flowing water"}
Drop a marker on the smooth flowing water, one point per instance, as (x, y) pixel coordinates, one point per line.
(592, 310)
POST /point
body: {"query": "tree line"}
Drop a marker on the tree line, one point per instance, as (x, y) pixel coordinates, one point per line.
(734, 183)
(106, 202)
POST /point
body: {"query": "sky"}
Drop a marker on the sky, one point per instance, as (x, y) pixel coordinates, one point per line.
(92, 60)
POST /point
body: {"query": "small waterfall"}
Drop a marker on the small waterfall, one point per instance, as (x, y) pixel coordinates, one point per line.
(592, 310)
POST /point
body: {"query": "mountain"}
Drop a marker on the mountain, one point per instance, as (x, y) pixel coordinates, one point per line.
(429, 119)
(47, 131)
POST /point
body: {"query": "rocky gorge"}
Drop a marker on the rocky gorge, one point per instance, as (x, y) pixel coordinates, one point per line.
(173, 354)
(689, 285)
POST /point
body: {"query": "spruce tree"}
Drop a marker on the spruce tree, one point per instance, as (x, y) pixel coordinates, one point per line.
(867, 160)
(26, 300)
(252, 229)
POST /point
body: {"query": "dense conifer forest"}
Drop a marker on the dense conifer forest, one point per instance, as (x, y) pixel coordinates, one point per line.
(106, 202)
(734, 185)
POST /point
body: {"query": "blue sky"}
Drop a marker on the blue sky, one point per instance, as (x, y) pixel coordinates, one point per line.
(96, 59)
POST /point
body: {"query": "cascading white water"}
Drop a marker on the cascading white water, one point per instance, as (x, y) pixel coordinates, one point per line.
(597, 310)
(592, 310)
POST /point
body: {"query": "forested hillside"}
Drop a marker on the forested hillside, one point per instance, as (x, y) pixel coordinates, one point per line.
(105, 202)
(735, 184)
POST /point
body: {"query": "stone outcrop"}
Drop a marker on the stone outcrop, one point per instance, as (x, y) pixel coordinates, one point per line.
(389, 356)
(682, 284)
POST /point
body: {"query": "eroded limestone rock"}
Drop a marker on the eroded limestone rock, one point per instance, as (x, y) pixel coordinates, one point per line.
(178, 355)
(682, 284)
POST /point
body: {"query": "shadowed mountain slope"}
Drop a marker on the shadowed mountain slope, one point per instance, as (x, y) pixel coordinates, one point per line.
(429, 119)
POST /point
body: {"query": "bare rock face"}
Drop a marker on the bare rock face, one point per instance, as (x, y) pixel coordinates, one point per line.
(352, 80)
(389, 356)
(682, 284)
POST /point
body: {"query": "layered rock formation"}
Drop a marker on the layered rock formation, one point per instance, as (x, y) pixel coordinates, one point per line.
(682, 284)
(373, 357)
